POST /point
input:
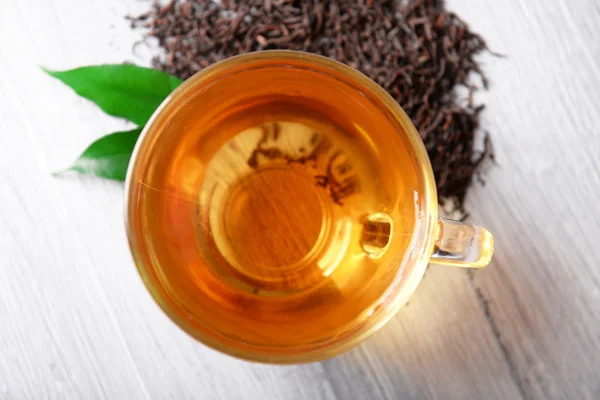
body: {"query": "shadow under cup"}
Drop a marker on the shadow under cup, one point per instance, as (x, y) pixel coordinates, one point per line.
(197, 162)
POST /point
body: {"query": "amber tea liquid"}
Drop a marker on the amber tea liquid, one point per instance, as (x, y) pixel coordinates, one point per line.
(277, 206)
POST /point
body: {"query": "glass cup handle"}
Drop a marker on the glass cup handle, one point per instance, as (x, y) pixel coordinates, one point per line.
(462, 245)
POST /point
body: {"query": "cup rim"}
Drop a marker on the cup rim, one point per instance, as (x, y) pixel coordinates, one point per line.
(400, 297)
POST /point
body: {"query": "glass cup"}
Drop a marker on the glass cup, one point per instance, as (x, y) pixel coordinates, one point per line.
(435, 240)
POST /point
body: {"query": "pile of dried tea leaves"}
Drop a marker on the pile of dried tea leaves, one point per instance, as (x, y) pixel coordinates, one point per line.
(415, 49)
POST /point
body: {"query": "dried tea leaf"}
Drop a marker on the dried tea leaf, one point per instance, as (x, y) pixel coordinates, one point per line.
(417, 50)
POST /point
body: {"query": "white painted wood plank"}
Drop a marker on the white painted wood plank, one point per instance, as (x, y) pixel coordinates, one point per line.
(542, 202)
(439, 347)
(58, 332)
(77, 322)
(131, 350)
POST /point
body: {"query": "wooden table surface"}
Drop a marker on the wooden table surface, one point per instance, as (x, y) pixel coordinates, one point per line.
(77, 323)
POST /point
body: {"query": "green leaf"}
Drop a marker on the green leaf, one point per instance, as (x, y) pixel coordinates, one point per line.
(108, 157)
(126, 91)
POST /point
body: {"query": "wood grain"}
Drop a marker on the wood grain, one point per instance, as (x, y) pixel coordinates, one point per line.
(541, 202)
(77, 322)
